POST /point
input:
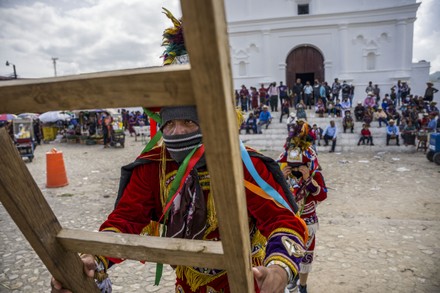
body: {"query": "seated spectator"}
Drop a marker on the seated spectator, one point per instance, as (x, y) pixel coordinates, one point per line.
(381, 116)
(392, 132)
(424, 121)
(251, 123)
(359, 112)
(331, 108)
(347, 121)
(366, 136)
(301, 110)
(409, 133)
(264, 119)
(317, 133)
(345, 105)
(385, 102)
(431, 108)
(393, 114)
(368, 116)
(320, 107)
(370, 100)
(432, 125)
(338, 108)
(330, 133)
(290, 121)
(404, 109)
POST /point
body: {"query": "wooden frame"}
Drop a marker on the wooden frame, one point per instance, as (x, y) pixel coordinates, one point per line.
(205, 27)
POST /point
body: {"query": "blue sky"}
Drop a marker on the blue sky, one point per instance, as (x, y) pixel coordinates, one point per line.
(98, 35)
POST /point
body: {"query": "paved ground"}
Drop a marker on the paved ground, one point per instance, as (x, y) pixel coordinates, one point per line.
(379, 228)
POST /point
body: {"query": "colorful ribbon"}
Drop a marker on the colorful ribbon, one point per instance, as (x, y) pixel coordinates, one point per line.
(260, 182)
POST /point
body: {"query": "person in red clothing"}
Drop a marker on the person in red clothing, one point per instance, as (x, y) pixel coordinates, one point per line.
(262, 92)
(366, 136)
(277, 235)
(301, 170)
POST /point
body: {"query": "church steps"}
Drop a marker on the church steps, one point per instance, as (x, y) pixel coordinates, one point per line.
(273, 138)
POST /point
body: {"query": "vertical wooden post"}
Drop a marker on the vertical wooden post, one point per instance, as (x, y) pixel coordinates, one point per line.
(206, 39)
(29, 209)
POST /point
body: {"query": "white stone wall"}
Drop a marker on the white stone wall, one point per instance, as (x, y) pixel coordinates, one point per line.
(360, 41)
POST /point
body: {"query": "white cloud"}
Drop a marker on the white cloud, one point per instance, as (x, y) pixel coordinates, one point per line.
(98, 35)
(427, 34)
(87, 37)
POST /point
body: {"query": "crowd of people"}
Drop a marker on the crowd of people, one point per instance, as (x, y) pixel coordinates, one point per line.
(403, 114)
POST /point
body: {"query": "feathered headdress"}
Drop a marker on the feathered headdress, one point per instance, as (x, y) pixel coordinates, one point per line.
(173, 39)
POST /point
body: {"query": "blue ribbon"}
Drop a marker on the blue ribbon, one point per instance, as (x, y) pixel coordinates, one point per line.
(260, 182)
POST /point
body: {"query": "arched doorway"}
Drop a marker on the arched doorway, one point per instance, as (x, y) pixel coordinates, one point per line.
(304, 62)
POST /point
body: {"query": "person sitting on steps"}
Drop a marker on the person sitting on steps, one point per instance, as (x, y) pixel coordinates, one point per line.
(330, 132)
(366, 136)
(265, 118)
(347, 121)
(392, 132)
(251, 123)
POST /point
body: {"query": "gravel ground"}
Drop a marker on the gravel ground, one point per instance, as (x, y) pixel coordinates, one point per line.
(379, 227)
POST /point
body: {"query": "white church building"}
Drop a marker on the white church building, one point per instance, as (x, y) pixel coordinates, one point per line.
(353, 40)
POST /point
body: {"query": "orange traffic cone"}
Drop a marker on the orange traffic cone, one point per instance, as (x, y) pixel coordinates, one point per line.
(56, 172)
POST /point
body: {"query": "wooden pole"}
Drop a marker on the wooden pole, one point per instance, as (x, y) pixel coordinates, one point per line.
(206, 39)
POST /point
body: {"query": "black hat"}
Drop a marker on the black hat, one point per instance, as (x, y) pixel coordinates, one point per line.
(180, 112)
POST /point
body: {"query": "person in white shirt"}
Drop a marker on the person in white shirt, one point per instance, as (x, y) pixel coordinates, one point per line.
(308, 95)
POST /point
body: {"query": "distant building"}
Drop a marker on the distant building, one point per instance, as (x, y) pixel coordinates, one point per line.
(352, 40)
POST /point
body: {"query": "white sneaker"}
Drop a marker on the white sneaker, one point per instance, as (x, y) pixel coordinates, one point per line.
(291, 288)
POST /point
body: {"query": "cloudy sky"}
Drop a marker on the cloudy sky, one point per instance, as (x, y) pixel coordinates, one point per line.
(98, 35)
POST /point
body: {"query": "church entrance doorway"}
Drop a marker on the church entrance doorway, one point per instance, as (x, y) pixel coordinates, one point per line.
(304, 62)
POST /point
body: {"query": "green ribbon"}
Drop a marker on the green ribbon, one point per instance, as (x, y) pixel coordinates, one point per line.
(174, 186)
(152, 142)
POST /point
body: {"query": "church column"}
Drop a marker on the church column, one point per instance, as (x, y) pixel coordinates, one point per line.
(400, 49)
(343, 44)
(328, 71)
(267, 53)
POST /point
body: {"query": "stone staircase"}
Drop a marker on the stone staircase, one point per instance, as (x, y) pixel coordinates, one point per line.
(274, 137)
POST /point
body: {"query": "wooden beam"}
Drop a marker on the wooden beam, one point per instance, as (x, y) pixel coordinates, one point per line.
(153, 249)
(24, 202)
(206, 40)
(156, 86)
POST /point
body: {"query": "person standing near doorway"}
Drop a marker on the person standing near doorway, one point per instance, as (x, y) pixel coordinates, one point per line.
(283, 92)
(297, 91)
(308, 92)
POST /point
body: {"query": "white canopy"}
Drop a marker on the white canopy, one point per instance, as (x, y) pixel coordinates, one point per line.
(54, 116)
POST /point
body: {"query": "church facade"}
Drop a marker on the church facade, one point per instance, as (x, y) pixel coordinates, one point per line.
(353, 40)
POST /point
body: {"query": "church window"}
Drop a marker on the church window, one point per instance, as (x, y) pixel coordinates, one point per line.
(371, 61)
(242, 68)
(303, 9)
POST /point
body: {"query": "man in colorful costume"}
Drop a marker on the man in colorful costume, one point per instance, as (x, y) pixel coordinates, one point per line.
(299, 164)
(276, 234)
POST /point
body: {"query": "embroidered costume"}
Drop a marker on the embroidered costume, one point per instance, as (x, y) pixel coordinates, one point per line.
(308, 193)
(193, 216)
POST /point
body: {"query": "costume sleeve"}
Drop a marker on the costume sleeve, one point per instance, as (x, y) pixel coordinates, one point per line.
(139, 203)
(285, 232)
(316, 186)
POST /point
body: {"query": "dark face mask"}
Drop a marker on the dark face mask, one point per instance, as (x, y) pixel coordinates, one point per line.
(296, 174)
